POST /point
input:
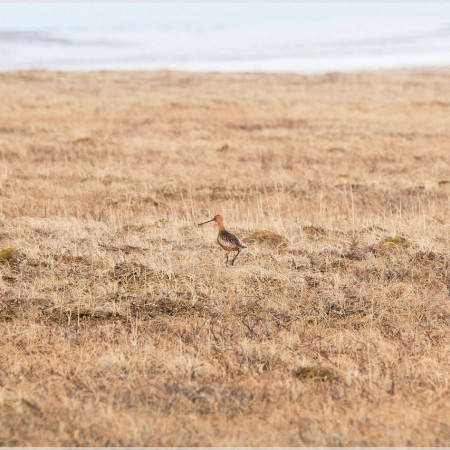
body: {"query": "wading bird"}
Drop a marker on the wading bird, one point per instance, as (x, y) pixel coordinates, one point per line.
(226, 240)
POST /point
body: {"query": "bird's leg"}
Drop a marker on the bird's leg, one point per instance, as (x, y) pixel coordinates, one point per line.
(232, 261)
(226, 261)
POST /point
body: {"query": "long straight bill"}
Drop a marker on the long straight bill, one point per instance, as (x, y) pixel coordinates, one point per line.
(200, 224)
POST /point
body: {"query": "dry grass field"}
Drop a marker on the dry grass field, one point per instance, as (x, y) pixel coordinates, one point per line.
(121, 324)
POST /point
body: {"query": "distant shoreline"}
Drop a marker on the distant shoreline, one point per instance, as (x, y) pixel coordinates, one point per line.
(417, 69)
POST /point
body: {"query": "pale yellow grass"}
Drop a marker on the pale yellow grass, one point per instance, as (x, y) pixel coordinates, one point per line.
(121, 325)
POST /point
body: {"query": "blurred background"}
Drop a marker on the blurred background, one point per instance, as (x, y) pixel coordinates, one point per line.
(254, 36)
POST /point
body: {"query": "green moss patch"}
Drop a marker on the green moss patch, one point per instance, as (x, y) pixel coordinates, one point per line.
(312, 230)
(224, 148)
(267, 238)
(84, 141)
(315, 374)
(336, 150)
(391, 243)
(10, 255)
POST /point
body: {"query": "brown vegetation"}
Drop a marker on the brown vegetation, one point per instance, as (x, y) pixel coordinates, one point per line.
(120, 323)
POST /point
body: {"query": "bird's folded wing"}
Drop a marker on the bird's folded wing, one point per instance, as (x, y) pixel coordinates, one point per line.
(229, 240)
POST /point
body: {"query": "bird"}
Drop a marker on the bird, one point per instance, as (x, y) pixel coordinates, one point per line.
(225, 239)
